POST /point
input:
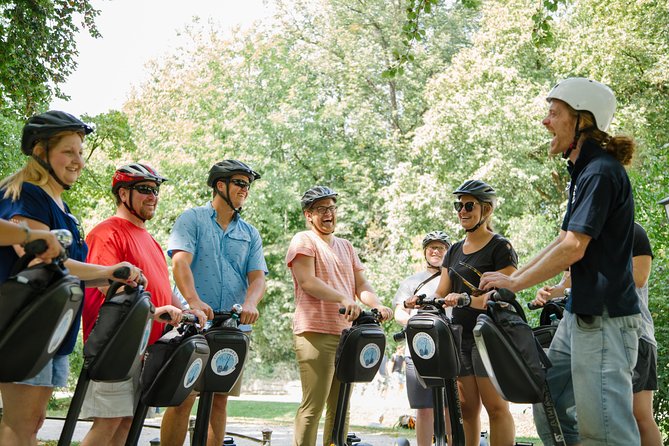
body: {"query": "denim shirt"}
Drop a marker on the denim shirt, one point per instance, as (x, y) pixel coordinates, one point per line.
(222, 259)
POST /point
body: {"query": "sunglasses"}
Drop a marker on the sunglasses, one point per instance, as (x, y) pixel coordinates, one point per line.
(240, 183)
(469, 206)
(146, 190)
(322, 210)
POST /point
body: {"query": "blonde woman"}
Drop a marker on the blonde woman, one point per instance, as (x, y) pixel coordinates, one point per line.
(33, 197)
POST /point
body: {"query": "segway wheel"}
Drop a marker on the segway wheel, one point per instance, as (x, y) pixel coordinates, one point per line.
(401, 441)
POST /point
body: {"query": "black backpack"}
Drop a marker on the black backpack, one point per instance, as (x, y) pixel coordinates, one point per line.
(512, 357)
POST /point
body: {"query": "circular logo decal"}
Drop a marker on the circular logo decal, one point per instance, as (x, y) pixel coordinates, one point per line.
(61, 331)
(193, 373)
(224, 361)
(423, 345)
(145, 337)
(370, 355)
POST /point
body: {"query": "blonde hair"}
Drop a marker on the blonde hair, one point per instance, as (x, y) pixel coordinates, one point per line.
(33, 172)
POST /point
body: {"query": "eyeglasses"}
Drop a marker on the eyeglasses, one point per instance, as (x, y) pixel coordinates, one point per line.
(475, 291)
(469, 206)
(436, 248)
(146, 190)
(322, 210)
(240, 183)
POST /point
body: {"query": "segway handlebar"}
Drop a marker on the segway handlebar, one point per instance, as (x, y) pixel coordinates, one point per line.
(372, 313)
(227, 318)
(186, 318)
(556, 300)
(423, 301)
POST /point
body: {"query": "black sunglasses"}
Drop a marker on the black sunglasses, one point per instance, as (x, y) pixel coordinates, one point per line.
(240, 183)
(469, 206)
(146, 190)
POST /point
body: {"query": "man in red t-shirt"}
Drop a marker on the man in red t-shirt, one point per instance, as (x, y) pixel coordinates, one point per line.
(124, 237)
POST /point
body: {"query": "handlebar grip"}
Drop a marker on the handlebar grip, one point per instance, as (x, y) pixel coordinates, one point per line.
(122, 272)
(532, 306)
(187, 318)
(35, 247)
(399, 336)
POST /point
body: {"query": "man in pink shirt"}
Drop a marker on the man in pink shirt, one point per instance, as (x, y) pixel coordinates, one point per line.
(327, 275)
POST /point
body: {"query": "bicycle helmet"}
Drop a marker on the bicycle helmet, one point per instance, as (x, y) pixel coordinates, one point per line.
(436, 236)
(477, 188)
(228, 168)
(45, 125)
(42, 127)
(583, 94)
(130, 174)
(317, 193)
(126, 176)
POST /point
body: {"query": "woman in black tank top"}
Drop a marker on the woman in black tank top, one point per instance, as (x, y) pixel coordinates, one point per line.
(482, 250)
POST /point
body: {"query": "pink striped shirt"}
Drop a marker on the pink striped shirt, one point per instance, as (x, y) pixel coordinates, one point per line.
(335, 265)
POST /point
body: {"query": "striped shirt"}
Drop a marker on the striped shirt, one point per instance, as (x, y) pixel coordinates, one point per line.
(335, 264)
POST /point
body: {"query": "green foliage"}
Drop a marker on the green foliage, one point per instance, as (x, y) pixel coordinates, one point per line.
(38, 50)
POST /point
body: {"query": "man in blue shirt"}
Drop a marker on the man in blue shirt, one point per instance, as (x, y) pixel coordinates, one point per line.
(217, 262)
(595, 347)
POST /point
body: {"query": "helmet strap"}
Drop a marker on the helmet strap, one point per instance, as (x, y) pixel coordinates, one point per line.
(131, 208)
(577, 136)
(48, 167)
(226, 197)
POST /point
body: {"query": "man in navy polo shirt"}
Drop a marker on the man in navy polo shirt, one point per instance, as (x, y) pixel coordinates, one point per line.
(595, 347)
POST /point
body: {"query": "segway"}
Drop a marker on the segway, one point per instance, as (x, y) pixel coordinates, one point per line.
(172, 367)
(116, 344)
(513, 358)
(551, 313)
(229, 347)
(434, 344)
(357, 360)
(39, 303)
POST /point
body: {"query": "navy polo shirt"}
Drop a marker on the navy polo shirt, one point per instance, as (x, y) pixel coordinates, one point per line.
(601, 205)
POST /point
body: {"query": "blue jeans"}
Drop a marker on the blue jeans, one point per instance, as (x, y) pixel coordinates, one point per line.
(591, 379)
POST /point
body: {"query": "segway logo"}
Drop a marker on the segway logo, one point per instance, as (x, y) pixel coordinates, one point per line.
(193, 373)
(61, 331)
(145, 337)
(370, 355)
(224, 362)
(423, 345)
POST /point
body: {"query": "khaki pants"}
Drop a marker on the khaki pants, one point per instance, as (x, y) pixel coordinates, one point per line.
(316, 357)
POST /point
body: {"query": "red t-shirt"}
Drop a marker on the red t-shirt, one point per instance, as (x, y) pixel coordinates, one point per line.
(116, 240)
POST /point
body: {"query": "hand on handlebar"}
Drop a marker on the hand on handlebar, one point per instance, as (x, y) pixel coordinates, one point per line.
(200, 315)
(197, 304)
(385, 312)
(412, 302)
(352, 310)
(53, 247)
(126, 273)
(168, 311)
(249, 314)
(495, 279)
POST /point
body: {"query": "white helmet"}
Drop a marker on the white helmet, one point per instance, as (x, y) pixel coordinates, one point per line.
(587, 95)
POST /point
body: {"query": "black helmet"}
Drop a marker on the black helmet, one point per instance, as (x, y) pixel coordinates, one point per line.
(436, 236)
(477, 188)
(130, 174)
(45, 125)
(316, 193)
(228, 168)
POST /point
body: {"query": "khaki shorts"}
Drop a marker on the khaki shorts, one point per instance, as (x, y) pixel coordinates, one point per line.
(112, 399)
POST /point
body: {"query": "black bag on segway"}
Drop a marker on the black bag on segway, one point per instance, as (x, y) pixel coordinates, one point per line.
(228, 348)
(359, 352)
(39, 304)
(172, 367)
(428, 334)
(120, 334)
(512, 357)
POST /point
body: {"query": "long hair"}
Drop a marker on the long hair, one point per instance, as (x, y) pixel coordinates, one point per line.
(32, 172)
(620, 147)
